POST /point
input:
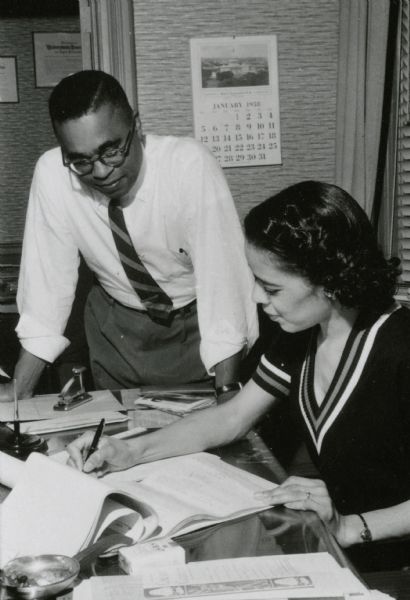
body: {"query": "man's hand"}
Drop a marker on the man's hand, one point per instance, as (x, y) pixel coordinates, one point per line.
(111, 455)
(26, 374)
(226, 396)
(6, 392)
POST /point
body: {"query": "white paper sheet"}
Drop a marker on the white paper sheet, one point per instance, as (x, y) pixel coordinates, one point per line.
(71, 420)
(42, 407)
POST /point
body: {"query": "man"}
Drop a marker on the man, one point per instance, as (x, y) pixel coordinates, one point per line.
(175, 312)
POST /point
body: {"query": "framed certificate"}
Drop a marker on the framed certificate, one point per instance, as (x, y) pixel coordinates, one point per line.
(236, 98)
(56, 55)
(8, 79)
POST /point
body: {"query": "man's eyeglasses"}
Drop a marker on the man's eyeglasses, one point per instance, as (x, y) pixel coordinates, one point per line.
(112, 157)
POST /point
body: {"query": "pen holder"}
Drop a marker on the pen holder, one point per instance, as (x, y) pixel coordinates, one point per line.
(18, 444)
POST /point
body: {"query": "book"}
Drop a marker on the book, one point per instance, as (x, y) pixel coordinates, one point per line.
(311, 575)
(53, 508)
(193, 491)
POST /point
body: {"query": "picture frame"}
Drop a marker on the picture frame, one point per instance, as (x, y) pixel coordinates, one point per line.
(9, 93)
(56, 55)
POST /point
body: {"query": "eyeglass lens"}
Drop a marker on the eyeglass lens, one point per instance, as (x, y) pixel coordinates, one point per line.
(110, 158)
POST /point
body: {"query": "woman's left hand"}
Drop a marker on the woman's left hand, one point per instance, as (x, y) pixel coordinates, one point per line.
(302, 493)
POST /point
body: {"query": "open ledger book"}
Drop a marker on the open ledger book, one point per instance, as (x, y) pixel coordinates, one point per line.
(54, 508)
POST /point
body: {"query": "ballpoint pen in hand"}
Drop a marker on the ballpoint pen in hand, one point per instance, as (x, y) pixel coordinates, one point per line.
(96, 439)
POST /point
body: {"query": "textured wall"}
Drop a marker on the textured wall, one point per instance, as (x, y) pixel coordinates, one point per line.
(307, 33)
(25, 131)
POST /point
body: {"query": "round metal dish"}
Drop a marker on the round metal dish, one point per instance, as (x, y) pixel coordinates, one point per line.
(40, 576)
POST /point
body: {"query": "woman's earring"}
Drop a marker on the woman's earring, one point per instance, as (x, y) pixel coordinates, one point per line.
(330, 295)
(268, 227)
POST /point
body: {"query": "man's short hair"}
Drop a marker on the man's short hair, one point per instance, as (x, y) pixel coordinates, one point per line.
(84, 92)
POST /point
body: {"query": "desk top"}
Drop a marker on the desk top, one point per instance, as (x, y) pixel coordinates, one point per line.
(274, 531)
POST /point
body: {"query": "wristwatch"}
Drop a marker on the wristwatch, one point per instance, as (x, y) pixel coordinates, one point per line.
(365, 534)
(228, 387)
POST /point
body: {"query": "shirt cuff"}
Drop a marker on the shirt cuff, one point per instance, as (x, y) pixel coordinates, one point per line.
(213, 353)
(39, 341)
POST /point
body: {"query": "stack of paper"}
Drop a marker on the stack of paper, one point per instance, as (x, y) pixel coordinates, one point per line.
(69, 420)
(176, 403)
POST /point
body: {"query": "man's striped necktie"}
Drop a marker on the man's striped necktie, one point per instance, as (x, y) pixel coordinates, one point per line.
(155, 300)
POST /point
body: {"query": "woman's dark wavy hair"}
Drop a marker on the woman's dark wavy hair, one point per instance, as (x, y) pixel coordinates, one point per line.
(319, 231)
(84, 92)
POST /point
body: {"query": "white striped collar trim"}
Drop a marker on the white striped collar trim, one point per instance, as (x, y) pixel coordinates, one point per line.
(275, 370)
(351, 384)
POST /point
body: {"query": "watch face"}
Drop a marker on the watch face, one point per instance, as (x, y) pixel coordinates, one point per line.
(366, 535)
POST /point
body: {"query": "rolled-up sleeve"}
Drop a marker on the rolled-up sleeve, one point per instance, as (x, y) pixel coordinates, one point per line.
(226, 312)
(49, 268)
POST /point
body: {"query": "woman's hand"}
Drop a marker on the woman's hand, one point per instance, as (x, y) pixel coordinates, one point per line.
(111, 455)
(301, 493)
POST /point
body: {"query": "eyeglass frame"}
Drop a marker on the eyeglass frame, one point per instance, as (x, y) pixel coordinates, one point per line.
(124, 150)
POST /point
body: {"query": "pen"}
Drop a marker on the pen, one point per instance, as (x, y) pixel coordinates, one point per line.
(96, 439)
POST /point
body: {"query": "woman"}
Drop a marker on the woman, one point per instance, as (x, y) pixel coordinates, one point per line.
(342, 360)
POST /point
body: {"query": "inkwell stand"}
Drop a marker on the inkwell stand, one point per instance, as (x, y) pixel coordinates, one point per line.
(15, 443)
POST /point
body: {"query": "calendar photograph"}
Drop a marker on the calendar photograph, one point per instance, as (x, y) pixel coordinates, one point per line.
(235, 71)
(235, 94)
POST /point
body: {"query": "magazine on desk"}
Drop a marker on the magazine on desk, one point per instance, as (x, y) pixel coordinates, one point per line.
(312, 575)
(54, 508)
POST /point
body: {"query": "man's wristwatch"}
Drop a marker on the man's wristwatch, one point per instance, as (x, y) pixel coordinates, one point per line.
(365, 534)
(228, 387)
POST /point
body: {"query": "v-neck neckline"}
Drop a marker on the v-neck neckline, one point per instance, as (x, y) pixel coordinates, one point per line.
(311, 363)
(319, 418)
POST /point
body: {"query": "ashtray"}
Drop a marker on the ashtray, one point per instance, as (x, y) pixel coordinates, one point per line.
(40, 576)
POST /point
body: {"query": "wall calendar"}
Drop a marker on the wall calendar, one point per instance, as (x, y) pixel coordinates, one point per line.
(236, 99)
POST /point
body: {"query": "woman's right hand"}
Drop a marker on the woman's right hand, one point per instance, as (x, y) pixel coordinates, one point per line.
(111, 455)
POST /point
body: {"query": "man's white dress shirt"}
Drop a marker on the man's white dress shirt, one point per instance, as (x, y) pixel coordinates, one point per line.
(184, 226)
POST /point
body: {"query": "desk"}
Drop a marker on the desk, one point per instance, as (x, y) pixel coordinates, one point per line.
(278, 530)
(274, 531)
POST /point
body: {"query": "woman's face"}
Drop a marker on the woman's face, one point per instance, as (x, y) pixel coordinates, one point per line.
(289, 299)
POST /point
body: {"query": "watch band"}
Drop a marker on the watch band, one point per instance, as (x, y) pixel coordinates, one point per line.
(228, 387)
(365, 534)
